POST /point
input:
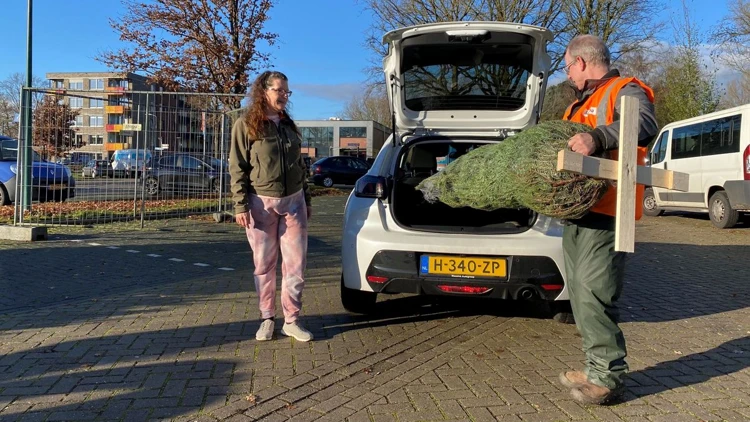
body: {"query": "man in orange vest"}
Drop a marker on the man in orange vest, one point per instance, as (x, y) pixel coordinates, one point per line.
(594, 270)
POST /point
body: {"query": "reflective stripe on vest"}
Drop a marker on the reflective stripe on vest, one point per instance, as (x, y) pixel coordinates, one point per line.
(602, 103)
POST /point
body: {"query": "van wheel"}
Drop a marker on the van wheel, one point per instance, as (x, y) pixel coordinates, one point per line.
(649, 204)
(721, 212)
(357, 301)
(4, 199)
(562, 312)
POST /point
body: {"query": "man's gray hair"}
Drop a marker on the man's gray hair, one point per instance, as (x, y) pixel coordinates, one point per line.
(590, 48)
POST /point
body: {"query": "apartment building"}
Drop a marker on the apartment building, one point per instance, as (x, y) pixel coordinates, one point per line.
(110, 103)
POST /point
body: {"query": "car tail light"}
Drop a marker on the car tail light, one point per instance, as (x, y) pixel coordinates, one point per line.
(371, 187)
(377, 279)
(552, 286)
(463, 289)
(317, 170)
(746, 163)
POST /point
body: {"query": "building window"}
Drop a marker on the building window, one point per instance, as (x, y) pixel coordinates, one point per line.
(79, 141)
(114, 119)
(76, 85)
(55, 83)
(96, 84)
(353, 132)
(96, 121)
(79, 120)
(96, 103)
(96, 140)
(318, 141)
(76, 102)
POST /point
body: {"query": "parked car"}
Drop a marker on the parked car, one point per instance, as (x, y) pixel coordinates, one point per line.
(130, 162)
(393, 240)
(49, 181)
(183, 173)
(714, 150)
(335, 170)
(97, 168)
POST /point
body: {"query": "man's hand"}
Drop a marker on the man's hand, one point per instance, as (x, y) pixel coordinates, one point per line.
(582, 143)
(243, 219)
(309, 212)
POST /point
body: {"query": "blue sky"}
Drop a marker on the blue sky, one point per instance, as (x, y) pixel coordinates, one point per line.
(321, 46)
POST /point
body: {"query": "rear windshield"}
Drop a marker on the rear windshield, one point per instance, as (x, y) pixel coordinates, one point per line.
(489, 74)
(9, 151)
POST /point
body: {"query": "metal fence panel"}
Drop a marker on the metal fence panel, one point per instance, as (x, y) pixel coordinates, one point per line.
(118, 155)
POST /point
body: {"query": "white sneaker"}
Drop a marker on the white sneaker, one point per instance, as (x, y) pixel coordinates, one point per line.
(297, 331)
(265, 332)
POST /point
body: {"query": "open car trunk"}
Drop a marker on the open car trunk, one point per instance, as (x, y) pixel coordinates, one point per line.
(421, 159)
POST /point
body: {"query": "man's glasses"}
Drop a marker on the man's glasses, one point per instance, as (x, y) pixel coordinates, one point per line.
(569, 65)
(282, 92)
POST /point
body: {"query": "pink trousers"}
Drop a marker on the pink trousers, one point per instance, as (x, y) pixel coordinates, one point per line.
(279, 223)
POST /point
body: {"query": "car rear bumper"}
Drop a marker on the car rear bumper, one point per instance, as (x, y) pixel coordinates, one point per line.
(528, 277)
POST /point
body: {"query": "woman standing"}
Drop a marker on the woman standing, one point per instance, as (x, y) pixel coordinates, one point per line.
(272, 200)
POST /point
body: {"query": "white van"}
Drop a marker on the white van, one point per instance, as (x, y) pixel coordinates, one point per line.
(130, 162)
(714, 149)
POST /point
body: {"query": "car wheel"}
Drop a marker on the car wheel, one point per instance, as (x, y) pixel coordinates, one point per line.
(4, 199)
(152, 186)
(328, 182)
(721, 212)
(649, 204)
(357, 301)
(215, 186)
(562, 312)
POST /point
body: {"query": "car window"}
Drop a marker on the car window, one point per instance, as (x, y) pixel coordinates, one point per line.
(168, 161)
(190, 163)
(337, 162)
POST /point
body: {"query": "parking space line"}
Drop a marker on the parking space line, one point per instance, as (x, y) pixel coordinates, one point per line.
(132, 251)
(176, 260)
(153, 255)
(200, 264)
(225, 269)
(95, 244)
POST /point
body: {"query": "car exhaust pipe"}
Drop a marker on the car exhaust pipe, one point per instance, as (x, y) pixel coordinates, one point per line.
(527, 294)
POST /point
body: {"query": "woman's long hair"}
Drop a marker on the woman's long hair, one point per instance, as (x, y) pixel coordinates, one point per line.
(256, 113)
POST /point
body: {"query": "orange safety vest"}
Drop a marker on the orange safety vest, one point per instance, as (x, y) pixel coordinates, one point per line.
(599, 110)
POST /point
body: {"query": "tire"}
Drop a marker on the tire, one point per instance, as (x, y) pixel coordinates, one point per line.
(562, 312)
(4, 198)
(152, 186)
(215, 186)
(721, 212)
(649, 204)
(328, 182)
(357, 301)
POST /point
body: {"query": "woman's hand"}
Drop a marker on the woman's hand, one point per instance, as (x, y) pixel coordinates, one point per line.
(243, 219)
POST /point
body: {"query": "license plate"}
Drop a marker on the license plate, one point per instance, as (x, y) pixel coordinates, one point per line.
(56, 187)
(463, 266)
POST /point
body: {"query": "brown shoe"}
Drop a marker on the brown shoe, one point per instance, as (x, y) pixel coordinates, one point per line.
(573, 379)
(595, 394)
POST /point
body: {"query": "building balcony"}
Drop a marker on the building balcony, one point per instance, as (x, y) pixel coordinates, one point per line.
(117, 109)
(115, 90)
(113, 128)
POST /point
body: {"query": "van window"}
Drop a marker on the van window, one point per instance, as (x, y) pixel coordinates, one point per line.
(718, 136)
(686, 141)
(660, 149)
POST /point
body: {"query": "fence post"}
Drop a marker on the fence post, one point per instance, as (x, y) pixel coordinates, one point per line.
(143, 173)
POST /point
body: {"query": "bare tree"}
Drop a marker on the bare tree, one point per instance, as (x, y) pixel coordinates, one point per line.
(53, 122)
(737, 92)
(370, 105)
(626, 25)
(198, 45)
(734, 33)
(686, 86)
(10, 101)
(556, 100)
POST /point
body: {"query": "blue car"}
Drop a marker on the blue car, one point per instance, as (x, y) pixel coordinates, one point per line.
(49, 181)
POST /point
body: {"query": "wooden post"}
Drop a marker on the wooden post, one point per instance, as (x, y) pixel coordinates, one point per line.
(626, 167)
(626, 172)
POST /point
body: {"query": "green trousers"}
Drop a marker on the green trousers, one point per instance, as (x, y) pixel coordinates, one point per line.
(594, 281)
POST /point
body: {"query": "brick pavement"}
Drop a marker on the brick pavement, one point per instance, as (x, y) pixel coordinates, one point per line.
(107, 325)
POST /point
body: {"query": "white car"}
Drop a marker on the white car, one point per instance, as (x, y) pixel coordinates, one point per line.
(454, 87)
